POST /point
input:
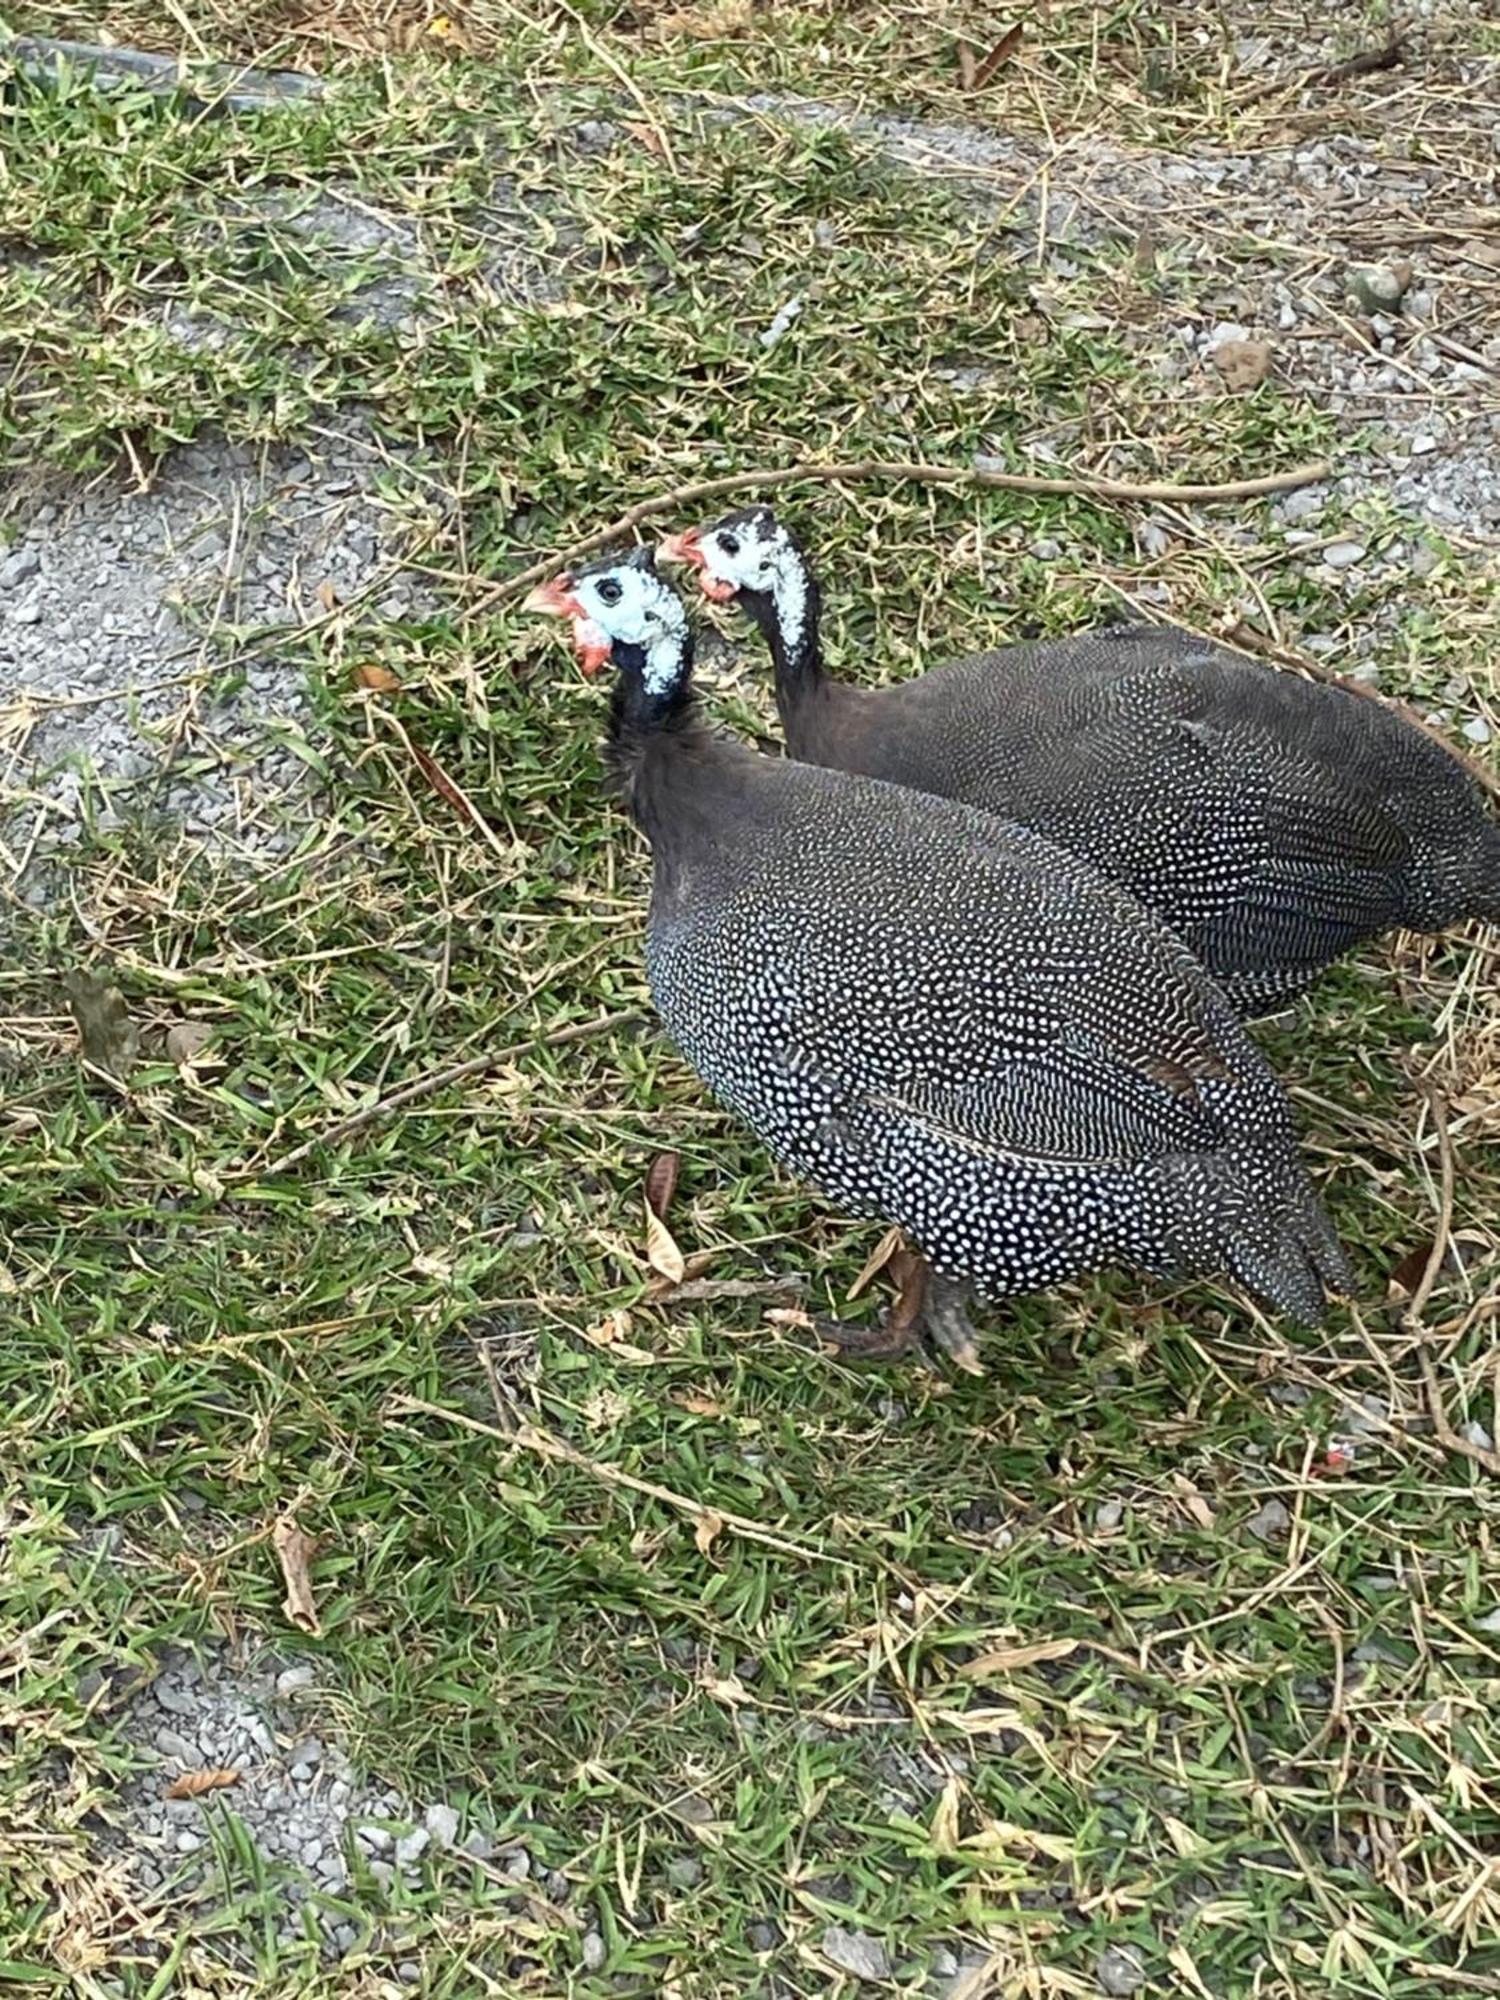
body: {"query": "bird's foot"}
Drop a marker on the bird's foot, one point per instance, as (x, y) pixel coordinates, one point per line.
(944, 1317)
(925, 1305)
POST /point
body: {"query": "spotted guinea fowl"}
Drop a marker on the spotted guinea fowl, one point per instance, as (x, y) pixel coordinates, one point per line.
(940, 1019)
(1274, 823)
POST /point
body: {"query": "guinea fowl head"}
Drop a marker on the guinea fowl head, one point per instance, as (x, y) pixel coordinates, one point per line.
(623, 613)
(749, 558)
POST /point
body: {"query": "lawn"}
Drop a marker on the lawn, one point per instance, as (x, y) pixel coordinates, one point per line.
(1167, 1653)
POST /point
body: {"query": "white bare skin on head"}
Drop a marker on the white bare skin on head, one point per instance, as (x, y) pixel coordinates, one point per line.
(757, 554)
(637, 609)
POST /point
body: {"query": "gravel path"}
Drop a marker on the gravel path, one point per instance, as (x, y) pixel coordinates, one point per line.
(143, 647)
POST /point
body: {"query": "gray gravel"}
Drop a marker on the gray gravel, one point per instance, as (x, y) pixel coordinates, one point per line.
(1432, 410)
(140, 672)
(336, 1837)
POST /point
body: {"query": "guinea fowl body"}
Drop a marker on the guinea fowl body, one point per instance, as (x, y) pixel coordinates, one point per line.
(1272, 822)
(949, 1023)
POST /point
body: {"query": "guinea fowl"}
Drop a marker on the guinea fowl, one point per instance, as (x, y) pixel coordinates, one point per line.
(941, 1020)
(1274, 823)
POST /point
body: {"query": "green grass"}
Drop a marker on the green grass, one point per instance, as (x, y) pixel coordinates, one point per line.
(1264, 1765)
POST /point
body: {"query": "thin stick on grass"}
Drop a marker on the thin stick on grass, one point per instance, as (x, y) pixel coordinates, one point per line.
(433, 1080)
(901, 472)
(1411, 1319)
(544, 1444)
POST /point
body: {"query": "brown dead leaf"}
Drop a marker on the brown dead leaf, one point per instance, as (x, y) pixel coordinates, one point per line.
(1412, 1268)
(193, 1784)
(610, 1333)
(294, 1551)
(876, 1262)
(707, 1532)
(945, 1817)
(439, 780)
(706, 24)
(327, 596)
(662, 1253)
(371, 674)
(647, 136)
(1243, 364)
(1194, 1503)
(968, 66)
(698, 1406)
(661, 1183)
(605, 1332)
(1000, 54)
(1009, 1659)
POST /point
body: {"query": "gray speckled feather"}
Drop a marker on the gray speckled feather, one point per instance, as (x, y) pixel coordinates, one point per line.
(941, 1019)
(1273, 822)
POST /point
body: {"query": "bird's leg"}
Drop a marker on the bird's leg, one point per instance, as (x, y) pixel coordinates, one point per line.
(944, 1317)
(925, 1303)
(899, 1329)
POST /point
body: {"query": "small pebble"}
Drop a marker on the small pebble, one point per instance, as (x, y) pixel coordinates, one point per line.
(684, 1871)
(16, 568)
(1119, 1973)
(1380, 288)
(293, 1679)
(476, 1842)
(1478, 730)
(1305, 504)
(855, 1952)
(1344, 555)
(409, 1972)
(441, 1822)
(1045, 549)
(412, 1846)
(1109, 1514)
(516, 1866)
(1269, 1522)
(594, 1952)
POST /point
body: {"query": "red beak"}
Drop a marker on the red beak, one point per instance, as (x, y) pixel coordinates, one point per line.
(556, 600)
(684, 548)
(688, 548)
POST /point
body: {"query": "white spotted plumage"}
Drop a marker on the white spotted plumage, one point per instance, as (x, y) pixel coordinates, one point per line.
(947, 1022)
(1274, 823)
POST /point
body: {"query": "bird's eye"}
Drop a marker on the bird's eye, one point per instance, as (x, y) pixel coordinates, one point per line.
(608, 590)
(730, 544)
